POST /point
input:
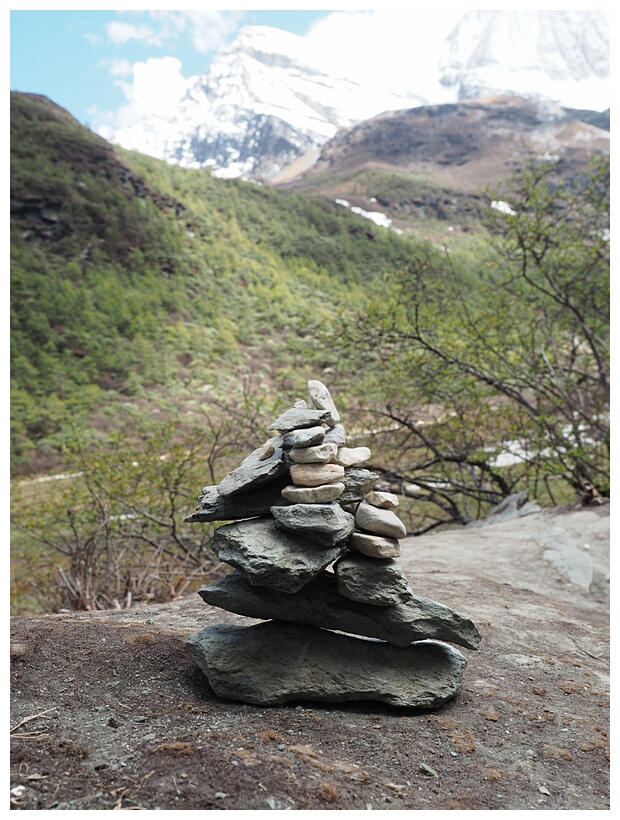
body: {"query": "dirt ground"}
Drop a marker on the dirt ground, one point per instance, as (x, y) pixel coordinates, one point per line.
(108, 711)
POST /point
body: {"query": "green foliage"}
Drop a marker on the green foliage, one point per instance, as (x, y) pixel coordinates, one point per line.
(111, 532)
(501, 385)
(131, 277)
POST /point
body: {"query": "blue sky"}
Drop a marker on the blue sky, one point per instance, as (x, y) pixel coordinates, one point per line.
(76, 57)
(109, 68)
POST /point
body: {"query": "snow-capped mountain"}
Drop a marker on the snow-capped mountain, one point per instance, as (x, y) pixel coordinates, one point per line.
(559, 55)
(261, 104)
(266, 100)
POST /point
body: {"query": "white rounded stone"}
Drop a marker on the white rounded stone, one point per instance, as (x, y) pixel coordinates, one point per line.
(374, 545)
(322, 494)
(379, 521)
(313, 475)
(385, 501)
(348, 456)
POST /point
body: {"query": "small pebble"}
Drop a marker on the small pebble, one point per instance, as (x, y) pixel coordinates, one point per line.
(543, 790)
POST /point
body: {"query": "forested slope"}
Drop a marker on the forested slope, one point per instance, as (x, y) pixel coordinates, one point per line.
(129, 275)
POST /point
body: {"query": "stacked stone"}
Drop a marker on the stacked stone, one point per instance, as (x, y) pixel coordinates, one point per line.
(315, 551)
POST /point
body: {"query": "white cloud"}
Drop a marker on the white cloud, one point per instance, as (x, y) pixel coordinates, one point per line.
(382, 47)
(121, 33)
(118, 67)
(207, 30)
(155, 87)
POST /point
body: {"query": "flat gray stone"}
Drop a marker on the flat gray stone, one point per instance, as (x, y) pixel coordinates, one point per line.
(319, 604)
(255, 469)
(258, 502)
(322, 494)
(336, 435)
(378, 581)
(271, 556)
(385, 501)
(325, 524)
(307, 437)
(279, 662)
(358, 482)
(320, 453)
(349, 456)
(375, 546)
(299, 417)
(379, 521)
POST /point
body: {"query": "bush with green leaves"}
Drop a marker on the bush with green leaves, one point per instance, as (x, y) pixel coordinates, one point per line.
(491, 387)
(110, 531)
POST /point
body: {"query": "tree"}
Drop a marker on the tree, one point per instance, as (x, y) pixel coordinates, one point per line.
(111, 533)
(502, 384)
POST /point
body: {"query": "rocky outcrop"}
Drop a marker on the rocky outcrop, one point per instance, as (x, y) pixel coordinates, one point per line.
(321, 558)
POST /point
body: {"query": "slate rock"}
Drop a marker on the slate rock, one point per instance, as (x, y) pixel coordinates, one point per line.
(322, 494)
(319, 454)
(313, 475)
(336, 435)
(375, 546)
(212, 506)
(299, 417)
(272, 556)
(279, 662)
(358, 482)
(319, 604)
(325, 524)
(255, 470)
(372, 580)
(307, 437)
(379, 521)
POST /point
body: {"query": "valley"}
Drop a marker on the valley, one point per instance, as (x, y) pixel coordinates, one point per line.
(158, 311)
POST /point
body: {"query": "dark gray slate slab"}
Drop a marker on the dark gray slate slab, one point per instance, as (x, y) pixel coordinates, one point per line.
(307, 437)
(378, 581)
(272, 556)
(278, 662)
(358, 482)
(299, 417)
(319, 604)
(336, 434)
(212, 506)
(252, 472)
(327, 524)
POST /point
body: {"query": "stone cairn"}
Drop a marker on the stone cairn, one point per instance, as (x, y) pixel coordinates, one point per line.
(301, 504)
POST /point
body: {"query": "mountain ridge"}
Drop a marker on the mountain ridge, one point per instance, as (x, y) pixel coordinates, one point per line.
(267, 99)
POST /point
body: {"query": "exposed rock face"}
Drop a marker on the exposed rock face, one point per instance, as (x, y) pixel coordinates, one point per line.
(286, 662)
(281, 561)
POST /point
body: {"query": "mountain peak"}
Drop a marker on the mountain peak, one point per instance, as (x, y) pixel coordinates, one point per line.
(266, 100)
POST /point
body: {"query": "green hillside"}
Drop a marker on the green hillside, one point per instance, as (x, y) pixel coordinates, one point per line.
(131, 278)
(162, 318)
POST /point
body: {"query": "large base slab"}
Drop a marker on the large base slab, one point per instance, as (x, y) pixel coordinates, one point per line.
(279, 662)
